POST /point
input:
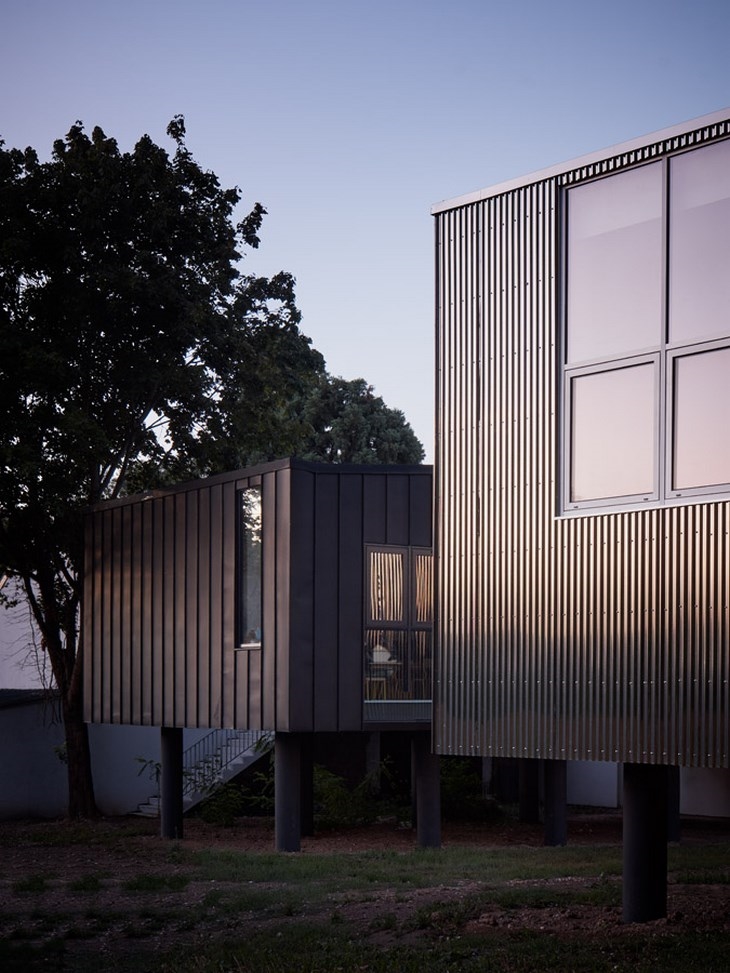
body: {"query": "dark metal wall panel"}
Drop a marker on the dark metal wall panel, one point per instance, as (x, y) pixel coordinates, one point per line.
(397, 520)
(159, 611)
(326, 604)
(303, 540)
(596, 637)
(350, 593)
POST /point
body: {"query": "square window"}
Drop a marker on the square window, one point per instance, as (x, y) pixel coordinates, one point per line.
(613, 433)
(701, 443)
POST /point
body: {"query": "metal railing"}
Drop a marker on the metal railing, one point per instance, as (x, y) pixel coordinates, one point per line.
(205, 761)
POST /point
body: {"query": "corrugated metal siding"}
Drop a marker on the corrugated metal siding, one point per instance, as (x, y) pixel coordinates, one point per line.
(597, 637)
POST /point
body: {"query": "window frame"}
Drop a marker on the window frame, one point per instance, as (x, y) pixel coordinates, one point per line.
(665, 354)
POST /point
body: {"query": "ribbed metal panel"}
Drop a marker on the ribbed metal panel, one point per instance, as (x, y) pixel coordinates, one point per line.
(160, 597)
(597, 637)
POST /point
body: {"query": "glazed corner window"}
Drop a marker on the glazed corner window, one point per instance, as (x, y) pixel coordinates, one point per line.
(249, 589)
(646, 370)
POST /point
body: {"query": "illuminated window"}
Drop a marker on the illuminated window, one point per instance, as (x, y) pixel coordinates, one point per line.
(398, 623)
(647, 333)
(249, 589)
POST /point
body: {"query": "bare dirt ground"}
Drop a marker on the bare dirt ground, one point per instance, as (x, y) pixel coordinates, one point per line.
(129, 847)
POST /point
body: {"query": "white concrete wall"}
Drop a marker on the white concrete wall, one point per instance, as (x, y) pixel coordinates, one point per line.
(32, 778)
(705, 792)
(594, 783)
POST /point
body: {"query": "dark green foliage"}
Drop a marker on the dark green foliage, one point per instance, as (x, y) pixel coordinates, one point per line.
(135, 353)
(348, 423)
(224, 804)
(462, 797)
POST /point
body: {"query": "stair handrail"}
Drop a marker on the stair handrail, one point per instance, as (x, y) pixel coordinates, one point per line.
(205, 760)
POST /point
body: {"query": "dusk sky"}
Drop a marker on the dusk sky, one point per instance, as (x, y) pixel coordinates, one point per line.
(348, 120)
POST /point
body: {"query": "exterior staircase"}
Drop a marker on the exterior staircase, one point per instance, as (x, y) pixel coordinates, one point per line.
(216, 758)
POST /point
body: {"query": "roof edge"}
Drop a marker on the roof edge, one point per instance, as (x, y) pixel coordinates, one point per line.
(702, 121)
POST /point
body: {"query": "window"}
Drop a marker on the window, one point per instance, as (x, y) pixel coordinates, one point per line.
(249, 587)
(398, 623)
(647, 333)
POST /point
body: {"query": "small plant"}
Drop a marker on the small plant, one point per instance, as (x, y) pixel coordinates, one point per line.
(87, 883)
(157, 883)
(153, 769)
(33, 885)
(223, 806)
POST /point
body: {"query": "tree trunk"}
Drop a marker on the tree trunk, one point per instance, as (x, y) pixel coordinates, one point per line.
(81, 800)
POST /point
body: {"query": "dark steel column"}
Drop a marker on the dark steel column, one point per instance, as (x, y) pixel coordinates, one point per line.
(287, 792)
(428, 791)
(529, 790)
(306, 775)
(556, 802)
(645, 842)
(171, 782)
(674, 794)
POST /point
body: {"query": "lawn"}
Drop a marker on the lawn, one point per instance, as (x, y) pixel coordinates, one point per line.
(113, 894)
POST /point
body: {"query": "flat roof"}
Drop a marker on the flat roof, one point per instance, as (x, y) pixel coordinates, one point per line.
(703, 121)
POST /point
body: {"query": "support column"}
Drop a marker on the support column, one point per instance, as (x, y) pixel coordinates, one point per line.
(306, 774)
(529, 790)
(287, 792)
(674, 821)
(645, 842)
(171, 782)
(428, 791)
(556, 802)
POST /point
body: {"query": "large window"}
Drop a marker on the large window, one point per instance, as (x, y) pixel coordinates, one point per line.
(398, 623)
(647, 333)
(249, 587)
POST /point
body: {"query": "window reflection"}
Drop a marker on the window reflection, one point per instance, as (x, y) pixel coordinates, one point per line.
(249, 567)
(702, 419)
(615, 265)
(699, 243)
(613, 433)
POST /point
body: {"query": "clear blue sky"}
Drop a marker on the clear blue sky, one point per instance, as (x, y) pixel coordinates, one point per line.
(348, 119)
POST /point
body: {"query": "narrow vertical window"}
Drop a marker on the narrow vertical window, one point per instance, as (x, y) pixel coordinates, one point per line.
(249, 568)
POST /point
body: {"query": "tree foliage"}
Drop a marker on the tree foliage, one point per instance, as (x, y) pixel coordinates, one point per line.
(136, 352)
(127, 330)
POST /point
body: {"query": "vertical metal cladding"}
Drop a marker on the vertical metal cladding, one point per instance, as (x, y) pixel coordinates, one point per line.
(605, 636)
(160, 597)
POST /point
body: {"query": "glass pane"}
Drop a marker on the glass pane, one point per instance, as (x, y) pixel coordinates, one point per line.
(423, 570)
(249, 567)
(699, 244)
(702, 419)
(386, 587)
(386, 664)
(613, 433)
(615, 265)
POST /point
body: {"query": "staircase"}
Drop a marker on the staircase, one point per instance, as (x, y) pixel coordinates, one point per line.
(216, 758)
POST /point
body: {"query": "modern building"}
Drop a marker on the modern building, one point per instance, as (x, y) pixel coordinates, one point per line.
(582, 475)
(290, 597)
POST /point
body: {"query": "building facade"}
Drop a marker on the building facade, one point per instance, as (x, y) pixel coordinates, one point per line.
(582, 475)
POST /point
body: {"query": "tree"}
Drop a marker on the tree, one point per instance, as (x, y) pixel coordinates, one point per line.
(128, 333)
(348, 423)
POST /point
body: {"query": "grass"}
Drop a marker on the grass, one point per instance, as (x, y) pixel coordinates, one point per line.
(362, 911)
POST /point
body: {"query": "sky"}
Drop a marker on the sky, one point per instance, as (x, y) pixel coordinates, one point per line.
(349, 119)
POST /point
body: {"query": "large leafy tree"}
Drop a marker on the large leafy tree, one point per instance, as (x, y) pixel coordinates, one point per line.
(346, 422)
(132, 346)
(136, 352)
